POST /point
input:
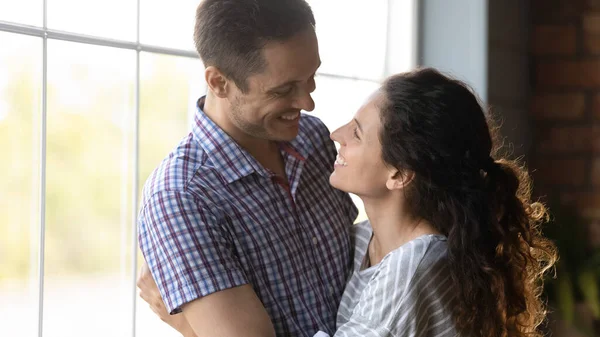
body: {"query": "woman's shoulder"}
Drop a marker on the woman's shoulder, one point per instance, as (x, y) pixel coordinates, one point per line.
(424, 249)
(360, 234)
(399, 267)
(392, 282)
(362, 228)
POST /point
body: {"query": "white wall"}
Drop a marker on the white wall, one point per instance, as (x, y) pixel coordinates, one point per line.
(453, 37)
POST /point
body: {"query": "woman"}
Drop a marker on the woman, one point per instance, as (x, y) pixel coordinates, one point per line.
(452, 245)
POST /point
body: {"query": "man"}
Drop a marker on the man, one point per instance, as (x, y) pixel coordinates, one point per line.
(239, 226)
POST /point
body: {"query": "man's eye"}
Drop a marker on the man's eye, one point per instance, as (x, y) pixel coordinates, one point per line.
(283, 92)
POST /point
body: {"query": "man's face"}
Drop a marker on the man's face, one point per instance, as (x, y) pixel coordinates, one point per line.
(270, 109)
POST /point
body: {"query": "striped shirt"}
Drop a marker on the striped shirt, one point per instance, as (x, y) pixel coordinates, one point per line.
(213, 218)
(407, 294)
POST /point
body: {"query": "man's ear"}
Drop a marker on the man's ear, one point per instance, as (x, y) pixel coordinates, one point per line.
(399, 179)
(217, 82)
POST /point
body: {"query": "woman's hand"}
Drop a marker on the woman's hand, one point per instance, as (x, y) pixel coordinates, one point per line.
(149, 292)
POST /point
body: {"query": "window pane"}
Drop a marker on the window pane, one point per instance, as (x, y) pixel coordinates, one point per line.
(352, 36)
(401, 54)
(89, 278)
(178, 16)
(109, 18)
(338, 99)
(170, 87)
(20, 93)
(29, 12)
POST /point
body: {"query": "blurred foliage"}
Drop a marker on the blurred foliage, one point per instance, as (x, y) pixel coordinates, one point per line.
(577, 271)
(90, 155)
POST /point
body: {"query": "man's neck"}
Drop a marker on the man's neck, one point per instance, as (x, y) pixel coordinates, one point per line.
(266, 152)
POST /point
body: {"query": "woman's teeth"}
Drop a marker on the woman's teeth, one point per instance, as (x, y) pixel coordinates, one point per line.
(340, 161)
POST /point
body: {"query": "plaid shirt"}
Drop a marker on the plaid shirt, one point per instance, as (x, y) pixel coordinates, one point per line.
(213, 218)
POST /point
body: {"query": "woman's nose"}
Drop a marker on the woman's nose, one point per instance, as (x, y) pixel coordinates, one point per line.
(336, 135)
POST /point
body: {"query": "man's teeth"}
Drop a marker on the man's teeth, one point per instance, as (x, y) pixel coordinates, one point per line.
(290, 117)
(340, 161)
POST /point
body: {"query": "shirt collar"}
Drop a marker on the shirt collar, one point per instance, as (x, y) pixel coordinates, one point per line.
(229, 158)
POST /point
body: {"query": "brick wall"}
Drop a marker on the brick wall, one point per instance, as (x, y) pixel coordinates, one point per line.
(508, 71)
(565, 101)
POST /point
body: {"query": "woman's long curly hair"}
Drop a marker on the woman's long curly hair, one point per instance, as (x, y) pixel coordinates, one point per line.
(435, 127)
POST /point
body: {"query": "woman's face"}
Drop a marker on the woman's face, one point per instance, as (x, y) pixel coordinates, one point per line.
(359, 167)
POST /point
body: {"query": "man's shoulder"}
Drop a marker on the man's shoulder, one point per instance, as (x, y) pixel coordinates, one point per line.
(311, 122)
(313, 128)
(313, 131)
(177, 170)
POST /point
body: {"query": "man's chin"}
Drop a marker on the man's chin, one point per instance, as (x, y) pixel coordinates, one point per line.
(285, 135)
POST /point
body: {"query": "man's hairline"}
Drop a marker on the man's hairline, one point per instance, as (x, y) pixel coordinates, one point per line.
(263, 63)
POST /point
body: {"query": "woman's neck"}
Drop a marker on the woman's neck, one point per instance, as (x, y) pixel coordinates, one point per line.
(392, 226)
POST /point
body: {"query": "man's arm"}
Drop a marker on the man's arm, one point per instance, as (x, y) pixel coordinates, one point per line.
(194, 269)
(232, 312)
(235, 312)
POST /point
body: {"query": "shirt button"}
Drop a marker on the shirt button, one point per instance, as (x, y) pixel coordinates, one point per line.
(315, 241)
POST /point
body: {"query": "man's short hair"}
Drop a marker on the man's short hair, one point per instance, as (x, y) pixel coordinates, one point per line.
(230, 34)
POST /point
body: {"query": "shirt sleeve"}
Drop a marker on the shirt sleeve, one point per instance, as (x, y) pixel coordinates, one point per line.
(359, 327)
(188, 251)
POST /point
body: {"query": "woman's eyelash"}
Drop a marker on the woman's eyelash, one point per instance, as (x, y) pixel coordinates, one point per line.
(356, 133)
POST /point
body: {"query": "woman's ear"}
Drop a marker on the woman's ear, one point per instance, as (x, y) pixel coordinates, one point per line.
(399, 179)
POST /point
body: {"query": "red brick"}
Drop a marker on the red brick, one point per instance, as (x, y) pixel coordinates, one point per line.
(557, 10)
(583, 73)
(593, 232)
(569, 139)
(593, 5)
(568, 106)
(591, 43)
(596, 106)
(554, 40)
(591, 23)
(588, 203)
(549, 172)
(596, 172)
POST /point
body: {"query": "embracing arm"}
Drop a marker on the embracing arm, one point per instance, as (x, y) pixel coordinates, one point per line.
(229, 313)
(192, 267)
(212, 315)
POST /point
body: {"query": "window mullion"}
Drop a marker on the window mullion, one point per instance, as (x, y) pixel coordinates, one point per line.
(136, 165)
(42, 190)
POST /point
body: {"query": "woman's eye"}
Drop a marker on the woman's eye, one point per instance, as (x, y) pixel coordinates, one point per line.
(356, 133)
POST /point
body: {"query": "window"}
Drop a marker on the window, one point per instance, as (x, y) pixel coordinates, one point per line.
(91, 99)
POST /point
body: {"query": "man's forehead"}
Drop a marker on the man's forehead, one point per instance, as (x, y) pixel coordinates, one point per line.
(291, 60)
(271, 78)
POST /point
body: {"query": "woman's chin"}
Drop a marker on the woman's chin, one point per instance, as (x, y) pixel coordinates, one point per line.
(336, 182)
